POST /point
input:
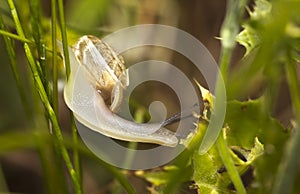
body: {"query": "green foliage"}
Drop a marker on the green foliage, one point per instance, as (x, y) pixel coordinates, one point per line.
(249, 37)
(254, 153)
(247, 140)
(254, 138)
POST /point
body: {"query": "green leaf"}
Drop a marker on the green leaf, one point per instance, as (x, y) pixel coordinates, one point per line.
(206, 167)
(211, 176)
(157, 178)
(254, 138)
(249, 37)
(160, 178)
(244, 120)
(254, 122)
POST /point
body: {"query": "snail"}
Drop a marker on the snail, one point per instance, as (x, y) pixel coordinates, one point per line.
(94, 91)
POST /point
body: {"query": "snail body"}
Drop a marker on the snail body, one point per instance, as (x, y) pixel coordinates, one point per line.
(94, 92)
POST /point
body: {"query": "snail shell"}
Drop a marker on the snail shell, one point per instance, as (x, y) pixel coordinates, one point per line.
(95, 90)
(105, 68)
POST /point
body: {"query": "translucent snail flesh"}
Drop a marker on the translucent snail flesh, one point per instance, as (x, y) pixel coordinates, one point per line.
(95, 90)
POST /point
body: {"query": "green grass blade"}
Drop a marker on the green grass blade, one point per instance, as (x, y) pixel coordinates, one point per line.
(54, 57)
(53, 169)
(229, 164)
(287, 172)
(62, 22)
(64, 36)
(229, 31)
(14, 36)
(43, 95)
(35, 16)
(33, 140)
(13, 63)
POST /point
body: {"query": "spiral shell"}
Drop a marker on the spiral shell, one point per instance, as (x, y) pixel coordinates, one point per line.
(105, 68)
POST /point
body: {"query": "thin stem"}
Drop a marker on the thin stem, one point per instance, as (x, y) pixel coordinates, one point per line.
(76, 157)
(286, 173)
(35, 8)
(14, 36)
(54, 57)
(13, 63)
(55, 76)
(64, 36)
(32, 140)
(62, 22)
(24, 40)
(44, 98)
(229, 164)
(229, 31)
